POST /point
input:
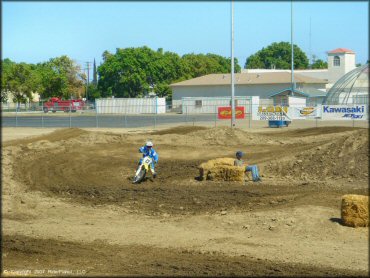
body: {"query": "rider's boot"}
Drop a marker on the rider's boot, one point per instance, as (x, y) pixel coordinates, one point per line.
(154, 173)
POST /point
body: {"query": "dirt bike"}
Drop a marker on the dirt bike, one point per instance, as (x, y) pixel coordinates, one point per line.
(144, 167)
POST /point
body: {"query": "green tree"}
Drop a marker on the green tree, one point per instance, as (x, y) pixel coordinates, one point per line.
(132, 72)
(93, 92)
(6, 66)
(20, 82)
(60, 77)
(277, 55)
(319, 64)
(199, 64)
(95, 74)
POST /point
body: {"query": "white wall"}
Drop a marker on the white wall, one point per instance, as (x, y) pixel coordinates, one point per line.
(130, 105)
(347, 63)
(210, 104)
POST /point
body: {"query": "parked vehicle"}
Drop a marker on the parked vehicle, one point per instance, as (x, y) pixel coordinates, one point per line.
(56, 104)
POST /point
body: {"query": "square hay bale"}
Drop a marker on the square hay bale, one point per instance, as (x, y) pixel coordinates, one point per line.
(355, 210)
(221, 169)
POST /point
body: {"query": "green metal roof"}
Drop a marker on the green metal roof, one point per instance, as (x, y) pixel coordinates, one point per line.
(290, 90)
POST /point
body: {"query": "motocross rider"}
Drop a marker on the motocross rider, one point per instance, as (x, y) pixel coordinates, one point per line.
(148, 150)
(250, 168)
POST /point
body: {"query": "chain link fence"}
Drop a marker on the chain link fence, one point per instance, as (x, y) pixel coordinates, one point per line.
(89, 116)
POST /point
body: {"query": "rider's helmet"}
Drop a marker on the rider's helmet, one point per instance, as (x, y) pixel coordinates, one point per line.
(239, 154)
(149, 144)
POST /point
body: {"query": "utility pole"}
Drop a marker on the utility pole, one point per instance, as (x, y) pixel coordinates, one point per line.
(291, 38)
(88, 78)
(309, 50)
(232, 67)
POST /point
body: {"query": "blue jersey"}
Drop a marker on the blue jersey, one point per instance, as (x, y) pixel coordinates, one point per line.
(149, 152)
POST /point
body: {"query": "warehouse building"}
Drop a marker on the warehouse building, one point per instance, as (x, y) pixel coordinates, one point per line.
(270, 85)
(265, 85)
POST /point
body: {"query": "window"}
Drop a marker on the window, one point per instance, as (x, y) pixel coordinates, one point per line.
(336, 61)
(198, 103)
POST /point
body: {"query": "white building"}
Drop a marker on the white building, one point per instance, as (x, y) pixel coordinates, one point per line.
(264, 85)
(340, 61)
(270, 83)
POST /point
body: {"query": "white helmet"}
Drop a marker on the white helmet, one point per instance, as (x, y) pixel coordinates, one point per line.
(149, 144)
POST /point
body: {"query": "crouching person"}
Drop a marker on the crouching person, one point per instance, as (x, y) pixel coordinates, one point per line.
(249, 168)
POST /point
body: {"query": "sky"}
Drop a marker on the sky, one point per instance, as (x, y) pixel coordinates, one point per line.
(34, 32)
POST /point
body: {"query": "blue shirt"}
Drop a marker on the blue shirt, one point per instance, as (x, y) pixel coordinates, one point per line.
(149, 152)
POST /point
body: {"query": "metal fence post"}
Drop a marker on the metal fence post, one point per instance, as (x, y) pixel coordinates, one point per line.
(215, 116)
(250, 114)
(96, 118)
(70, 117)
(42, 119)
(186, 113)
(16, 117)
(155, 120)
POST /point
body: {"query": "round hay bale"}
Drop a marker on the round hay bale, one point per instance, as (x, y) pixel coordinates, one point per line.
(355, 210)
(221, 169)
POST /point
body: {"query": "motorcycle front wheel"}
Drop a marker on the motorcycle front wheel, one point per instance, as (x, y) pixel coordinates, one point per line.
(140, 177)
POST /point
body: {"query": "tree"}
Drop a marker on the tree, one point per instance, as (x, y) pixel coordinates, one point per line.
(60, 77)
(319, 64)
(95, 75)
(20, 82)
(6, 66)
(277, 55)
(132, 72)
(200, 64)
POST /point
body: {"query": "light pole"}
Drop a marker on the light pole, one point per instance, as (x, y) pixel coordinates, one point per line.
(291, 38)
(232, 67)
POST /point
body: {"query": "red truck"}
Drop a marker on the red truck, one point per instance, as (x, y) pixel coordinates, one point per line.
(56, 104)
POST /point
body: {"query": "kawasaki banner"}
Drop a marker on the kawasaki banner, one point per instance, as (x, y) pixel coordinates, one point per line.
(345, 112)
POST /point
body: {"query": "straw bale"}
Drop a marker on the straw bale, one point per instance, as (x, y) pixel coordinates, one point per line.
(355, 210)
(221, 169)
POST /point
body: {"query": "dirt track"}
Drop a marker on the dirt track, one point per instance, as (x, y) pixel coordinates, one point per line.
(68, 204)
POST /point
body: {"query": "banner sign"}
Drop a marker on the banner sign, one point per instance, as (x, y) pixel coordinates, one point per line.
(272, 113)
(304, 112)
(225, 112)
(344, 112)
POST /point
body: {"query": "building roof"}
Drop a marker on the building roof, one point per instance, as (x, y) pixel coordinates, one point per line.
(249, 79)
(341, 50)
(288, 91)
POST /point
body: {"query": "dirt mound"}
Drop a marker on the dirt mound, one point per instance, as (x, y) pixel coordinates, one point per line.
(101, 259)
(347, 156)
(227, 136)
(179, 130)
(315, 131)
(58, 135)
